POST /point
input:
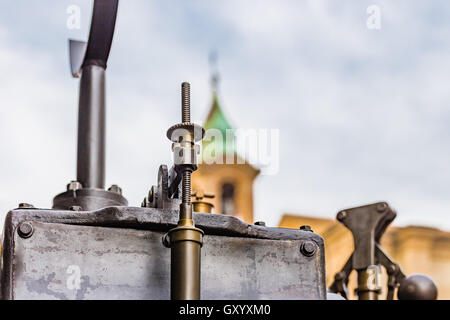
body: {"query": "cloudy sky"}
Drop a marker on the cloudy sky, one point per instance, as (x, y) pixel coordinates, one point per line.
(363, 114)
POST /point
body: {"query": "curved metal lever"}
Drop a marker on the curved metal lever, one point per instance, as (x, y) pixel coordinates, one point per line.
(96, 50)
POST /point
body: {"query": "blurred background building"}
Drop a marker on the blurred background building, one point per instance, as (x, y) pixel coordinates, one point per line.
(363, 114)
(416, 249)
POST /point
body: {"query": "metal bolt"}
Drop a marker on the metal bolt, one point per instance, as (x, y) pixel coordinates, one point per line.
(306, 228)
(339, 276)
(25, 206)
(260, 223)
(25, 230)
(74, 185)
(381, 207)
(75, 208)
(308, 248)
(115, 189)
(341, 215)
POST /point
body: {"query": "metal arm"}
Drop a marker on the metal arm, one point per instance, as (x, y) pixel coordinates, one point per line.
(368, 224)
(91, 114)
(88, 60)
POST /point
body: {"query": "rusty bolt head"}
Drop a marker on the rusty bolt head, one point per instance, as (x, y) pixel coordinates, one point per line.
(25, 206)
(25, 230)
(115, 189)
(74, 185)
(341, 215)
(306, 228)
(260, 223)
(308, 248)
(381, 207)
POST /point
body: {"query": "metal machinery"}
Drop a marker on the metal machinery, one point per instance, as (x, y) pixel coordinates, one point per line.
(368, 224)
(92, 245)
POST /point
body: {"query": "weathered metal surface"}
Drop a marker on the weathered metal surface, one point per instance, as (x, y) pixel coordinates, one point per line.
(119, 255)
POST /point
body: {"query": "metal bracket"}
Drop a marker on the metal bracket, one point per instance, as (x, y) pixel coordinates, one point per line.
(160, 195)
(367, 224)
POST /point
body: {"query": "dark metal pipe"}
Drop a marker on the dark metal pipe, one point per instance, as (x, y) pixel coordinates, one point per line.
(91, 128)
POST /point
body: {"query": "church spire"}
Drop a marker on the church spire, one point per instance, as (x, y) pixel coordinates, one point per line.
(216, 118)
(213, 58)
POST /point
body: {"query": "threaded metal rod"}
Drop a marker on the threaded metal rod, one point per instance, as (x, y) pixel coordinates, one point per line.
(186, 194)
(185, 102)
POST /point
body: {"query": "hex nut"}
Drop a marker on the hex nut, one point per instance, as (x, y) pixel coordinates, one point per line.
(74, 185)
(115, 189)
(306, 228)
(25, 206)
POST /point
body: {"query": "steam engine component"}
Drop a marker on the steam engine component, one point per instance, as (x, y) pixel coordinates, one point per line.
(89, 61)
(90, 245)
(368, 224)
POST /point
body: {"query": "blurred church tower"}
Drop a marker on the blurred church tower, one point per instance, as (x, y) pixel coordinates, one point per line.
(230, 181)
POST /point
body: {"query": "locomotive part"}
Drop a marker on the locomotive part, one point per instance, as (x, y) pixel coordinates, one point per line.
(368, 224)
(118, 255)
(88, 61)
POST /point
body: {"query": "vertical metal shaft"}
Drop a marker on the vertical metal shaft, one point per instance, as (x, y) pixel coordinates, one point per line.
(91, 128)
(186, 117)
(186, 240)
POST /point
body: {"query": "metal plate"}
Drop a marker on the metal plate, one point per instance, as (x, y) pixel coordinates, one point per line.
(69, 261)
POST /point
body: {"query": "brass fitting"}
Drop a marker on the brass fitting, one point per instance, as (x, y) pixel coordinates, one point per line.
(369, 283)
(185, 242)
(199, 204)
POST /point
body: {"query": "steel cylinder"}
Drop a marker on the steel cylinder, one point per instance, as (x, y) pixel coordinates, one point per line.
(91, 128)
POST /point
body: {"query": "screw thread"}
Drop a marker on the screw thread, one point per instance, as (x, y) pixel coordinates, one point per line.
(185, 102)
(186, 195)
